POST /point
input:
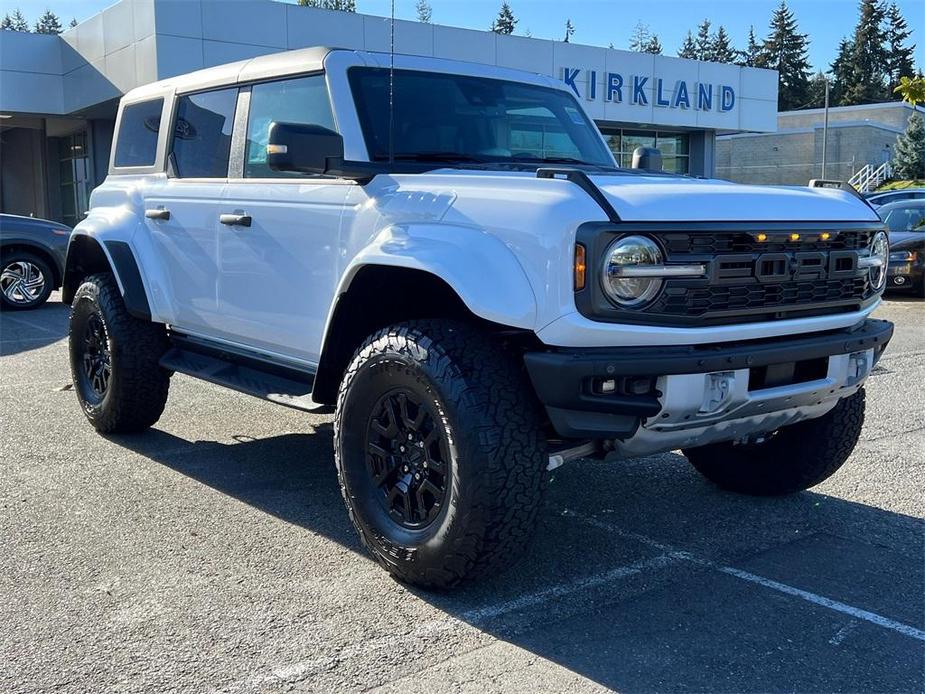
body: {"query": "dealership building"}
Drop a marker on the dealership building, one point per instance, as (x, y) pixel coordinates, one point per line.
(59, 94)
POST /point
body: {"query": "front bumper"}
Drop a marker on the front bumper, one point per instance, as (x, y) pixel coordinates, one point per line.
(702, 391)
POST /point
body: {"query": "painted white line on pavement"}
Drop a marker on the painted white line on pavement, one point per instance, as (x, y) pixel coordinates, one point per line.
(821, 600)
(30, 324)
(477, 618)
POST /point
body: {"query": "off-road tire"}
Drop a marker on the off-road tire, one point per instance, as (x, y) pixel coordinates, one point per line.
(137, 387)
(492, 421)
(795, 458)
(7, 259)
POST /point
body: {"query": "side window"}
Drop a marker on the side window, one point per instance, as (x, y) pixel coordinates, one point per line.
(301, 100)
(202, 134)
(136, 143)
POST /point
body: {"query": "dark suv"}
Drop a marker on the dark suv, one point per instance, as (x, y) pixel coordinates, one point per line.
(32, 253)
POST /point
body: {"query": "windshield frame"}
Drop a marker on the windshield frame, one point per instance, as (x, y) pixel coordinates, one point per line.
(596, 154)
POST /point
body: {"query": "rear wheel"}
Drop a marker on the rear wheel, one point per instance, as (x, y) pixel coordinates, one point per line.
(26, 281)
(794, 458)
(115, 359)
(439, 452)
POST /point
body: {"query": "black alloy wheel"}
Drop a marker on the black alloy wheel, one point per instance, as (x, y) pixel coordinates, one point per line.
(95, 359)
(408, 459)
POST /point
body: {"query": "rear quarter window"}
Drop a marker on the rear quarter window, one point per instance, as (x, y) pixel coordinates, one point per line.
(202, 133)
(136, 143)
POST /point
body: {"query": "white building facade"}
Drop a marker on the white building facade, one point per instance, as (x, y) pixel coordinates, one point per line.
(58, 94)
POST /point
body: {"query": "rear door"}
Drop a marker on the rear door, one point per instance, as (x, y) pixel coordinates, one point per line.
(183, 210)
(277, 276)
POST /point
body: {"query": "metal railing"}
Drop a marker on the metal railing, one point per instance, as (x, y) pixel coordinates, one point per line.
(869, 177)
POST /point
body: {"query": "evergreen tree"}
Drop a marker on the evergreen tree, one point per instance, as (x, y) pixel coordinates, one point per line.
(841, 72)
(704, 43)
(425, 11)
(72, 23)
(48, 23)
(752, 55)
(569, 30)
(342, 5)
(14, 22)
(867, 71)
(640, 37)
(786, 50)
(688, 48)
(816, 97)
(909, 152)
(505, 22)
(654, 46)
(721, 49)
(899, 53)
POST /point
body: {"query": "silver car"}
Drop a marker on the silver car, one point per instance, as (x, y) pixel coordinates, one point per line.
(32, 253)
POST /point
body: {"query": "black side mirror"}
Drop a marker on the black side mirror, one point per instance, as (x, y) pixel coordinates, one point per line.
(647, 158)
(303, 148)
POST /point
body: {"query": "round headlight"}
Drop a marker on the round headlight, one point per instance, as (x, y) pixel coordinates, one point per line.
(880, 250)
(622, 281)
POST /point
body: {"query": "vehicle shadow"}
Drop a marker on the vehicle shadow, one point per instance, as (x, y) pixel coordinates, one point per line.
(700, 630)
(22, 331)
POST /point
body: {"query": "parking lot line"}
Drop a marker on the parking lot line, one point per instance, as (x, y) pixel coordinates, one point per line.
(31, 324)
(477, 618)
(821, 600)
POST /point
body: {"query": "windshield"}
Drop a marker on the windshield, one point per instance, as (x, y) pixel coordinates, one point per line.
(906, 219)
(454, 118)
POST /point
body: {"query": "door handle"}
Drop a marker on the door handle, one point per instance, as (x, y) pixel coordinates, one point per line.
(235, 220)
(158, 213)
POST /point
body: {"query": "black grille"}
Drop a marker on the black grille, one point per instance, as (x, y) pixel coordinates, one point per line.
(680, 301)
(714, 243)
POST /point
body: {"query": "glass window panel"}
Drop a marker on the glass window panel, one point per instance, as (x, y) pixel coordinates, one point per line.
(303, 100)
(202, 134)
(136, 143)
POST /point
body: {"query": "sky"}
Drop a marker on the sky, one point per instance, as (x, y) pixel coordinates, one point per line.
(602, 22)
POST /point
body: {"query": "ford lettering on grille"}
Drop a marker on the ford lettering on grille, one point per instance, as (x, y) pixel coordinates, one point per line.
(772, 268)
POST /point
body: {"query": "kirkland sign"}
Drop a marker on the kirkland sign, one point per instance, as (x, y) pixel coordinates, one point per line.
(698, 95)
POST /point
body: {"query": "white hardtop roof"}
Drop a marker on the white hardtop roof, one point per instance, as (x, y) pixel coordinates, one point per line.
(315, 59)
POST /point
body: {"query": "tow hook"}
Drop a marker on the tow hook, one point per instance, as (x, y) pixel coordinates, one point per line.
(562, 456)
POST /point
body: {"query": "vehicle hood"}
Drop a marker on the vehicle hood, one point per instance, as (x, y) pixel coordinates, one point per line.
(903, 240)
(660, 198)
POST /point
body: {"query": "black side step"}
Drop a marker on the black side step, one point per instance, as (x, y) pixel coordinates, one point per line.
(291, 391)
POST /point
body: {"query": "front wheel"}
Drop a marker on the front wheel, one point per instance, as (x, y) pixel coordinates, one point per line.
(439, 452)
(794, 458)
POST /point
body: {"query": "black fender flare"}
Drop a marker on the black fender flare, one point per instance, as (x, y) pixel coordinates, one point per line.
(86, 256)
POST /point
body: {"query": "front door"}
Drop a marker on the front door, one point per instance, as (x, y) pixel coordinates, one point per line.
(278, 275)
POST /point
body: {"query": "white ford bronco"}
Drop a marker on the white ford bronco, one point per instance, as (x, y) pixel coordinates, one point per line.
(446, 255)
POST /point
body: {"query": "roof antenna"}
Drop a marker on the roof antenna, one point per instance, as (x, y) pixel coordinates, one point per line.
(392, 87)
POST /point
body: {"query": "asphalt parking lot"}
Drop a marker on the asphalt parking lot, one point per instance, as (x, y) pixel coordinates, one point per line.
(214, 553)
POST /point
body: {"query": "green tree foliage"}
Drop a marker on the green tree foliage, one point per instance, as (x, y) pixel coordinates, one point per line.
(841, 72)
(721, 49)
(816, 97)
(644, 41)
(899, 51)
(342, 5)
(48, 23)
(752, 55)
(911, 89)
(909, 152)
(14, 22)
(688, 48)
(425, 11)
(867, 69)
(704, 42)
(569, 30)
(505, 22)
(72, 23)
(786, 50)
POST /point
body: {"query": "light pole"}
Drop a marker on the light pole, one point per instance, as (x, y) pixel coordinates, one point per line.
(825, 128)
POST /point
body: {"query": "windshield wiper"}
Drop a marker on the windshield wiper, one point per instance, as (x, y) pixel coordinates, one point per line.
(550, 160)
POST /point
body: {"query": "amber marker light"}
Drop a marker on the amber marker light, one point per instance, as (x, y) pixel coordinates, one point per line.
(762, 237)
(580, 267)
(794, 237)
(825, 236)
